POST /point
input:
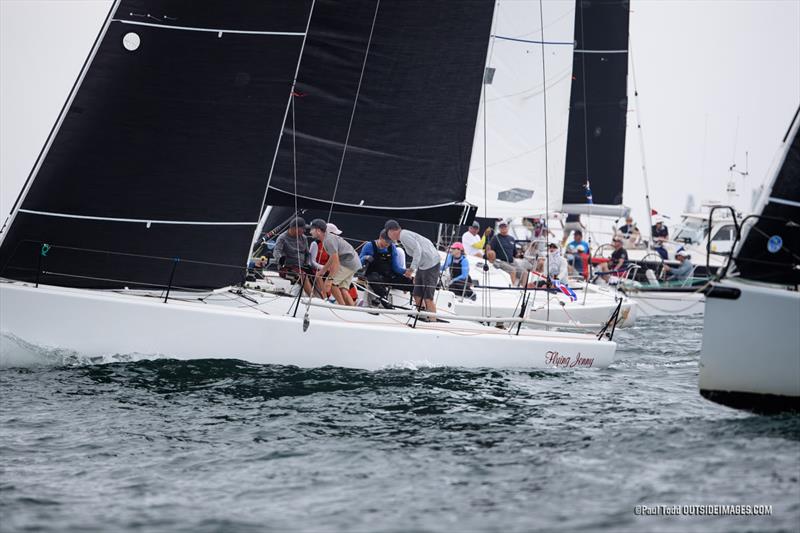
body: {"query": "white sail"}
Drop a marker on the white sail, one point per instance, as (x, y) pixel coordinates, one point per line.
(508, 178)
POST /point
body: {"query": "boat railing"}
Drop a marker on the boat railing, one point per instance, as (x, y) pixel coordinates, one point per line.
(44, 262)
(413, 313)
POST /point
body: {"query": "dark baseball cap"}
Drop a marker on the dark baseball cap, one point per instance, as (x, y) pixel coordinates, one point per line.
(298, 222)
(475, 224)
(319, 224)
(391, 225)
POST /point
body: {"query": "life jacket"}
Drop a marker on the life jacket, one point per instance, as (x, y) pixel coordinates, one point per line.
(382, 261)
(322, 255)
(455, 267)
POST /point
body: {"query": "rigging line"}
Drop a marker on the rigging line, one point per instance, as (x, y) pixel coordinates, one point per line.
(137, 220)
(641, 146)
(210, 30)
(546, 163)
(542, 42)
(570, 12)
(485, 304)
(585, 140)
(263, 211)
(353, 112)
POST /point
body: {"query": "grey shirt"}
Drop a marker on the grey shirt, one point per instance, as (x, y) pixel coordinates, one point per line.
(422, 251)
(348, 257)
(294, 249)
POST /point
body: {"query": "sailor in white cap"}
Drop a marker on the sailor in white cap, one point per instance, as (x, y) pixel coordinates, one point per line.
(683, 270)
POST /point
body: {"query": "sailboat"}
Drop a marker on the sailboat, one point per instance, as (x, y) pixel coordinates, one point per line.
(595, 161)
(750, 358)
(131, 235)
(518, 156)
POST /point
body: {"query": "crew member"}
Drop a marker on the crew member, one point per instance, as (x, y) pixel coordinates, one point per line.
(385, 268)
(458, 265)
(425, 262)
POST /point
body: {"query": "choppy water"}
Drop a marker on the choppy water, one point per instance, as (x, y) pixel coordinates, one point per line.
(227, 446)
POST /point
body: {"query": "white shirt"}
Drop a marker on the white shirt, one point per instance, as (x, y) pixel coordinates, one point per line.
(468, 239)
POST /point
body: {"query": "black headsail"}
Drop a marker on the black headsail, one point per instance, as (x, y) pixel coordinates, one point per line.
(598, 106)
(385, 109)
(770, 251)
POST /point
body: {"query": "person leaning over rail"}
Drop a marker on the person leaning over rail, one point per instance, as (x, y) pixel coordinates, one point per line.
(342, 262)
(385, 268)
(425, 261)
(291, 253)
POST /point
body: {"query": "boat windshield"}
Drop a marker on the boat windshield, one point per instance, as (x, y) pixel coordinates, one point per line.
(691, 231)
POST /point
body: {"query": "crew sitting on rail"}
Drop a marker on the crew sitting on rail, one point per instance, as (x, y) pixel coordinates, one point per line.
(683, 270)
(617, 263)
(504, 249)
(577, 250)
(660, 236)
(291, 254)
(629, 232)
(342, 262)
(553, 266)
(458, 265)
(385, 268)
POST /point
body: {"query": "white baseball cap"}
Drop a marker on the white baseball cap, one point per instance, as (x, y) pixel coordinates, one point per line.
(332, 228)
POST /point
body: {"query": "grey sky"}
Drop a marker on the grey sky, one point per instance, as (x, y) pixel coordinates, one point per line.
(699, 66)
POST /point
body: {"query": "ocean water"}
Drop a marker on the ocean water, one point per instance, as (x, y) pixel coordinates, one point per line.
(228, 446)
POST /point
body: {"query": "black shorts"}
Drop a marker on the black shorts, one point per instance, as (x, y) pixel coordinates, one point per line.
(425, 282)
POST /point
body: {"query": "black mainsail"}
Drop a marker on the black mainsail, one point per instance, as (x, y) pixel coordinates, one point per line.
(157, 168)
(385, 109)
(770, 251)
(595, 158)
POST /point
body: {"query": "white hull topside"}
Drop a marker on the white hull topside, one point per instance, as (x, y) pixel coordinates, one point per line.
(655, 303)
(105, 324)
(751, 343)
(591, 309)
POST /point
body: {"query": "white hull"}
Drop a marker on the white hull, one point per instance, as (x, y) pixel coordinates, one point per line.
(751, 347)
(655, 303)
(98, 324)
(593, 309)
(595, 312)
